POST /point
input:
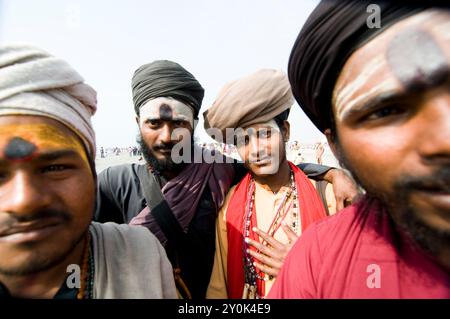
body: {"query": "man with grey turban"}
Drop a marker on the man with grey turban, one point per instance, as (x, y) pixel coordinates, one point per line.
(381, 95)
(166, 79)
(177, 200)
(49, 246)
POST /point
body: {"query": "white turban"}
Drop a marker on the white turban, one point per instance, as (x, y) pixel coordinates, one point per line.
(32, 82)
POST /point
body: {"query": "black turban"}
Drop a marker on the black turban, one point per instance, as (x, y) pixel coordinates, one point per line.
(333, 31)
(164, 78)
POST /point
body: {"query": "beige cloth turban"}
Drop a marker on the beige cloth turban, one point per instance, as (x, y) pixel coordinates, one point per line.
(257, 98)
(32, 82)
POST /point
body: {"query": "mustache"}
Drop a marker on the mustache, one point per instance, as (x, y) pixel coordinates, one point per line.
(438, 181)
(14, 220)
(260, 154)
(167, 146)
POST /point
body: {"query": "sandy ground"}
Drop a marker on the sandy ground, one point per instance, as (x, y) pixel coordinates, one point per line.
(113, 160)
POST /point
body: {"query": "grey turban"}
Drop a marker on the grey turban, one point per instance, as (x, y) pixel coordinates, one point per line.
(32, 82)
(164, 78)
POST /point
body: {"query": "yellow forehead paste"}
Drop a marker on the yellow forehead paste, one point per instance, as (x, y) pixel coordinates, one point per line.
(46, 138)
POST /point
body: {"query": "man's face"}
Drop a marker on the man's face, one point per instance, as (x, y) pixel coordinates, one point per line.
(163, 123)
(47, 193)
(391, 106)
(262, 147)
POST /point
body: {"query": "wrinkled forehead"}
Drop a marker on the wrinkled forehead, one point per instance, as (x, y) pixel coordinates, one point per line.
(412, 54)
(22, 137)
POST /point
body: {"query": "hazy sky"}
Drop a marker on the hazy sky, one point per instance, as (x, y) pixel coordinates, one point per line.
(216, 40)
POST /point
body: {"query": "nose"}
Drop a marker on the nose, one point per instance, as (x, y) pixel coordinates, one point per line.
(254, 146)
(165, 136)
(22, 195)
(434, 141)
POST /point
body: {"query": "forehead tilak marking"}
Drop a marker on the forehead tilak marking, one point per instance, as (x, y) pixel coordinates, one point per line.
(19, 149)
(42, 136)
(346, 91)
(342, 95)
(387, 86)
(416, 60)
(165, 112)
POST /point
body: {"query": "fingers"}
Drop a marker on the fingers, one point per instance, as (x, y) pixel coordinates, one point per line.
(265, 260)
(269, 251)
(339, 204)
(269, 259)
(269, 239)
(291, 235)
(268, 270)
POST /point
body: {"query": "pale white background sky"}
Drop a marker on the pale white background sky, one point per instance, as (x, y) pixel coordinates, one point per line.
(216, 40)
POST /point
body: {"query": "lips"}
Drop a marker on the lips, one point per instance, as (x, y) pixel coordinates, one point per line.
(30, 231)
(164, 150)
(436, 197)
(261, 161)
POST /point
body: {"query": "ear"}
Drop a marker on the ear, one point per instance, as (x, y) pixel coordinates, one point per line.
(137, 120)
(286, 131)
(332, 143)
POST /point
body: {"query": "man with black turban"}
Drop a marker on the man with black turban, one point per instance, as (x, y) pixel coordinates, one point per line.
(174, 194)
(382, 97)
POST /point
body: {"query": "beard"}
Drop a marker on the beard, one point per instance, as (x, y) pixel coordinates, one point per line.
(431, 239)
(159, 165)
(406, 216)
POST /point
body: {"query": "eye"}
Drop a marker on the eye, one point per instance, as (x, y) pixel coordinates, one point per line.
(153, 123)
(179, 123)
(55, 168)
(264, 134)
(385, 112)
(240, 141)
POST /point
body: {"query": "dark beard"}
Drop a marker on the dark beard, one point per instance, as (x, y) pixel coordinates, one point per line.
(161, 166)
(405, 215)
(430, 239)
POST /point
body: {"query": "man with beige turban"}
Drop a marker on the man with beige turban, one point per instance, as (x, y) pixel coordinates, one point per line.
(49, 248)
(274, 203)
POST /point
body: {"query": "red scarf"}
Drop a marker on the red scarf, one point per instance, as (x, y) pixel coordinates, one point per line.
(311, 210)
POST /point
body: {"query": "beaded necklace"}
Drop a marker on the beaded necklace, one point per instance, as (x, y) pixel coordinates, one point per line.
(87, 271)
(254, 279)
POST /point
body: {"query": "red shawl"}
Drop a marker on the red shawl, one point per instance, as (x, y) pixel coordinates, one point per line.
(311, 210)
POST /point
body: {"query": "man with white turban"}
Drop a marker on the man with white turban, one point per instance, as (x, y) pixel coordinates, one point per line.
(49, 248)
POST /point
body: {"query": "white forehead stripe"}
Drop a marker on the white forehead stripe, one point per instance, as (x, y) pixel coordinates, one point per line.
(367, 73)
(386, 86)
(179, 111)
